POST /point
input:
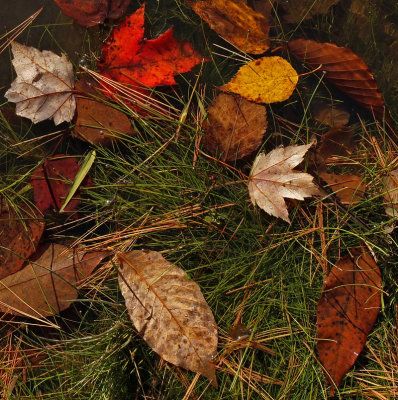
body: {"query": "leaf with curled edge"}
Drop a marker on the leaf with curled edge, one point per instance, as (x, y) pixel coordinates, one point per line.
(47, 283)
(342, 67)
(346, 313)
(43, 86)
(169, 311)
(272, 178)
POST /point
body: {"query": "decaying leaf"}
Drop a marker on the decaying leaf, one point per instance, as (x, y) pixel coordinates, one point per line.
(51, 183)
(130, 58)
(391, 195)
(266, 80)
(332, 115)
(93, 12)
(272, 178)
(344, 69)
(169, 311)
(295, 11)
(235, 127)
(347, 310)
(97, 122)
(47, 283)
(43, 86)
(236, 22)
(20, 233)
(350, 189)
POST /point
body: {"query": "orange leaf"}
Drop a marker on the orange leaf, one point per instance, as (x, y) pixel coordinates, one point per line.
(347, 310)
(344, 69)
(130, 58)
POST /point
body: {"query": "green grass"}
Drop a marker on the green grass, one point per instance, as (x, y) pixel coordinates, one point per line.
(155, 192)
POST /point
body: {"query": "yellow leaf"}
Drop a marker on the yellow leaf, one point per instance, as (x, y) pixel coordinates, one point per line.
(237, 23)
(266, 80)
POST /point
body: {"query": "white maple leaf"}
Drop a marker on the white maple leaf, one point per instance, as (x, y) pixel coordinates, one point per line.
(272, 178)
(43, 86)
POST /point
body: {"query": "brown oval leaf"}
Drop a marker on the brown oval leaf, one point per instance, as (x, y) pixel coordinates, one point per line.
(235, 128)
(235, 22)
(97, 122)
(169, 311)
(47, 283)
(93, 12)
(20, 234)
(346, 312)
(344, 69)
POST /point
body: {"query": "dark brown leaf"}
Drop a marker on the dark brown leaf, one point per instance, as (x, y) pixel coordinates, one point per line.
(347, 310)
(235, 127)
(344, 69)
(20, 233)
(169, 311)
(47, 283)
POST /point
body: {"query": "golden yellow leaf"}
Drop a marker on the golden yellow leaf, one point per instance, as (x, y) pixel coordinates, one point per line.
(237, 23)
(266, 80)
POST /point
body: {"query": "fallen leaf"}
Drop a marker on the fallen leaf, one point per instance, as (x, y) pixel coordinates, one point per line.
(169, 311)
(350, 189)
(344, 69)
(43, 86)
(332, 115)
(294, 11)
(93, 12)
(47, 283)
(263, 7)
(98, 122)
(347, 310)
(20, 233)
(272, 178)
(391, 194)
(130, 58)
(236, 22)
(338, 141)
(51, 183)
(235, 127)
(266, 80)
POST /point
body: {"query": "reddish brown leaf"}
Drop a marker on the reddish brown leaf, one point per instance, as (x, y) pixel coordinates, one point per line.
(47, 284)
(97, 122)
(235, 127)
(328, 114)
(344, 69)
(347, 310)
(93, 12)
(130, 58)
(350, 189)
(20, 234)
(51, 183)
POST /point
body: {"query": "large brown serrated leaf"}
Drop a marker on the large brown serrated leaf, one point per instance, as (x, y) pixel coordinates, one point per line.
(235, 128)
(272, 178)
(47, 283)
(169, 311)
(20, 233)
(43, 86)
(347, 310)
(235, 22)
(344, 69)
(98, 122)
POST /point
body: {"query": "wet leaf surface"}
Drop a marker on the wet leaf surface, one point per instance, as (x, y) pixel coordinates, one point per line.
(20, 233)
(344, 69)
(235, 127)
(43, 86)
(235, 22)
(130, 58)
(169, 311)
(266, 80)
(47, 283)
(93, 12)
(347, 310)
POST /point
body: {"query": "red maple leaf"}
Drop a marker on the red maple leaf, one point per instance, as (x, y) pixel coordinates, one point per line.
(129, 58)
